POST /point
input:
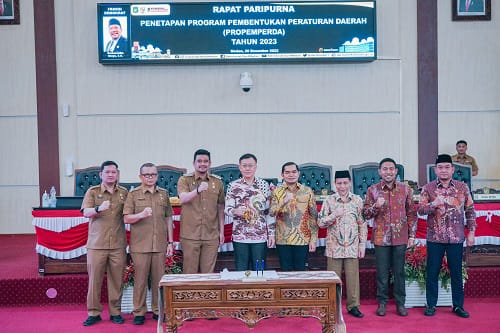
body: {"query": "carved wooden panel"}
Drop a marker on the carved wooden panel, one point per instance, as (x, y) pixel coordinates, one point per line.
(306, 294)
(252, 315)
(196, 295)
(250, 294)
(315, 293)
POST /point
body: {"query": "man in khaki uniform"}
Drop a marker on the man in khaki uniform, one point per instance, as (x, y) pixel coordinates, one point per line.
(462, 157)
(202, 217)
(103, 205)
(149, 213)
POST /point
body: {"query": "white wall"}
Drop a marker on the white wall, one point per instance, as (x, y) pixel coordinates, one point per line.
(469, 82)
(301, 112)
(337, 114)
(18, 125)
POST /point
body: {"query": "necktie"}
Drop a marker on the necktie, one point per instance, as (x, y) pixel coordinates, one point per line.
(111, 46)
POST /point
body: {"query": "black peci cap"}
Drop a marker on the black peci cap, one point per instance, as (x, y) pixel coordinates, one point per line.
(342, 174)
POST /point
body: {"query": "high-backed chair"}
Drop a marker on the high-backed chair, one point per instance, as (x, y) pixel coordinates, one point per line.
(366, 174)
(168, 177)
(227, 172)
(130, 186)
(85, 178)
(462, 173)
(317, 176)
(270, 181)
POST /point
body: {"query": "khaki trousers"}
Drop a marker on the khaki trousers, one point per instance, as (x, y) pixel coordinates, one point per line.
(146, 265)
(99, 262)
(351, 269)
(199, 256)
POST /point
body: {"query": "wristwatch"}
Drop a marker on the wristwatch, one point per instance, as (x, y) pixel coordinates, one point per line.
(96, 209)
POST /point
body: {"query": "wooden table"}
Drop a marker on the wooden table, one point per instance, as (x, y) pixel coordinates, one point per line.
(306, 294)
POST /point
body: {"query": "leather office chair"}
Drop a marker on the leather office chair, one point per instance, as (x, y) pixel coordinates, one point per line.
(227, 173)
(168, 176)
(366, 174)
(462, 173)
(130, 186)
(270, 181)
(85, 178)
(317, 176)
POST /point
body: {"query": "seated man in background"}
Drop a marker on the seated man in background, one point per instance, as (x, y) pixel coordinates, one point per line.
(462, 158)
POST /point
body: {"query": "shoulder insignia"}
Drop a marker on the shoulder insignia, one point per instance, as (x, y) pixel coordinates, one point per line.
(215, 176)
(135, 189)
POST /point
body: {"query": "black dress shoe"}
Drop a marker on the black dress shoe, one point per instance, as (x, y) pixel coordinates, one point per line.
(139, 320)
(401, 310)
(430, 311)
(380, 310)
(460, 312)
(117, 319)
(355, 312)
(91, 320)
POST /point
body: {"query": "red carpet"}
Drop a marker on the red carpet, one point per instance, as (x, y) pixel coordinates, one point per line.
(27, 307)
(484, 318)
(21, 285)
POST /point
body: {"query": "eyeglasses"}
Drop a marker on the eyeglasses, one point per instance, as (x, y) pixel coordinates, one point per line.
(149, 175)
(248, 166)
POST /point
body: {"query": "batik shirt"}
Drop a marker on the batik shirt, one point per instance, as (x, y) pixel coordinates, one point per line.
(255, 225)
(296, 220)
(396, 220)
(446, 224)
(346, 235)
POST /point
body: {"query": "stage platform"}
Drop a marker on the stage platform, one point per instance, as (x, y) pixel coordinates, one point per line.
(22, 286)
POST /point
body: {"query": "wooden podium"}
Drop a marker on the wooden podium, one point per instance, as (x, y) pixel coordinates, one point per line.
(305, 294)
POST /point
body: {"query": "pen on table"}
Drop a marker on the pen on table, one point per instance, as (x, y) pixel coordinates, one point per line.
(262, 266)
(257, 267)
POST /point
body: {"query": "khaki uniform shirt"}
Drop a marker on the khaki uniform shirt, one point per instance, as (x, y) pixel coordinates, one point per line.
(200, 217)
(106, 229)
(467, 160)
(148, 234)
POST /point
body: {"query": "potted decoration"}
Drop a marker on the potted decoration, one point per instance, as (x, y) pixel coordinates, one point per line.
(173, 265)
(416, 274)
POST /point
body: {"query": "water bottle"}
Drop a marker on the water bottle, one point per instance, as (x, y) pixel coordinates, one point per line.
(52, 198)
(45, 200)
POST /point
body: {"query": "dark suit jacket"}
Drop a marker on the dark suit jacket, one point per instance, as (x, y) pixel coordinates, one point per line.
(475, 6)
(122, 46)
